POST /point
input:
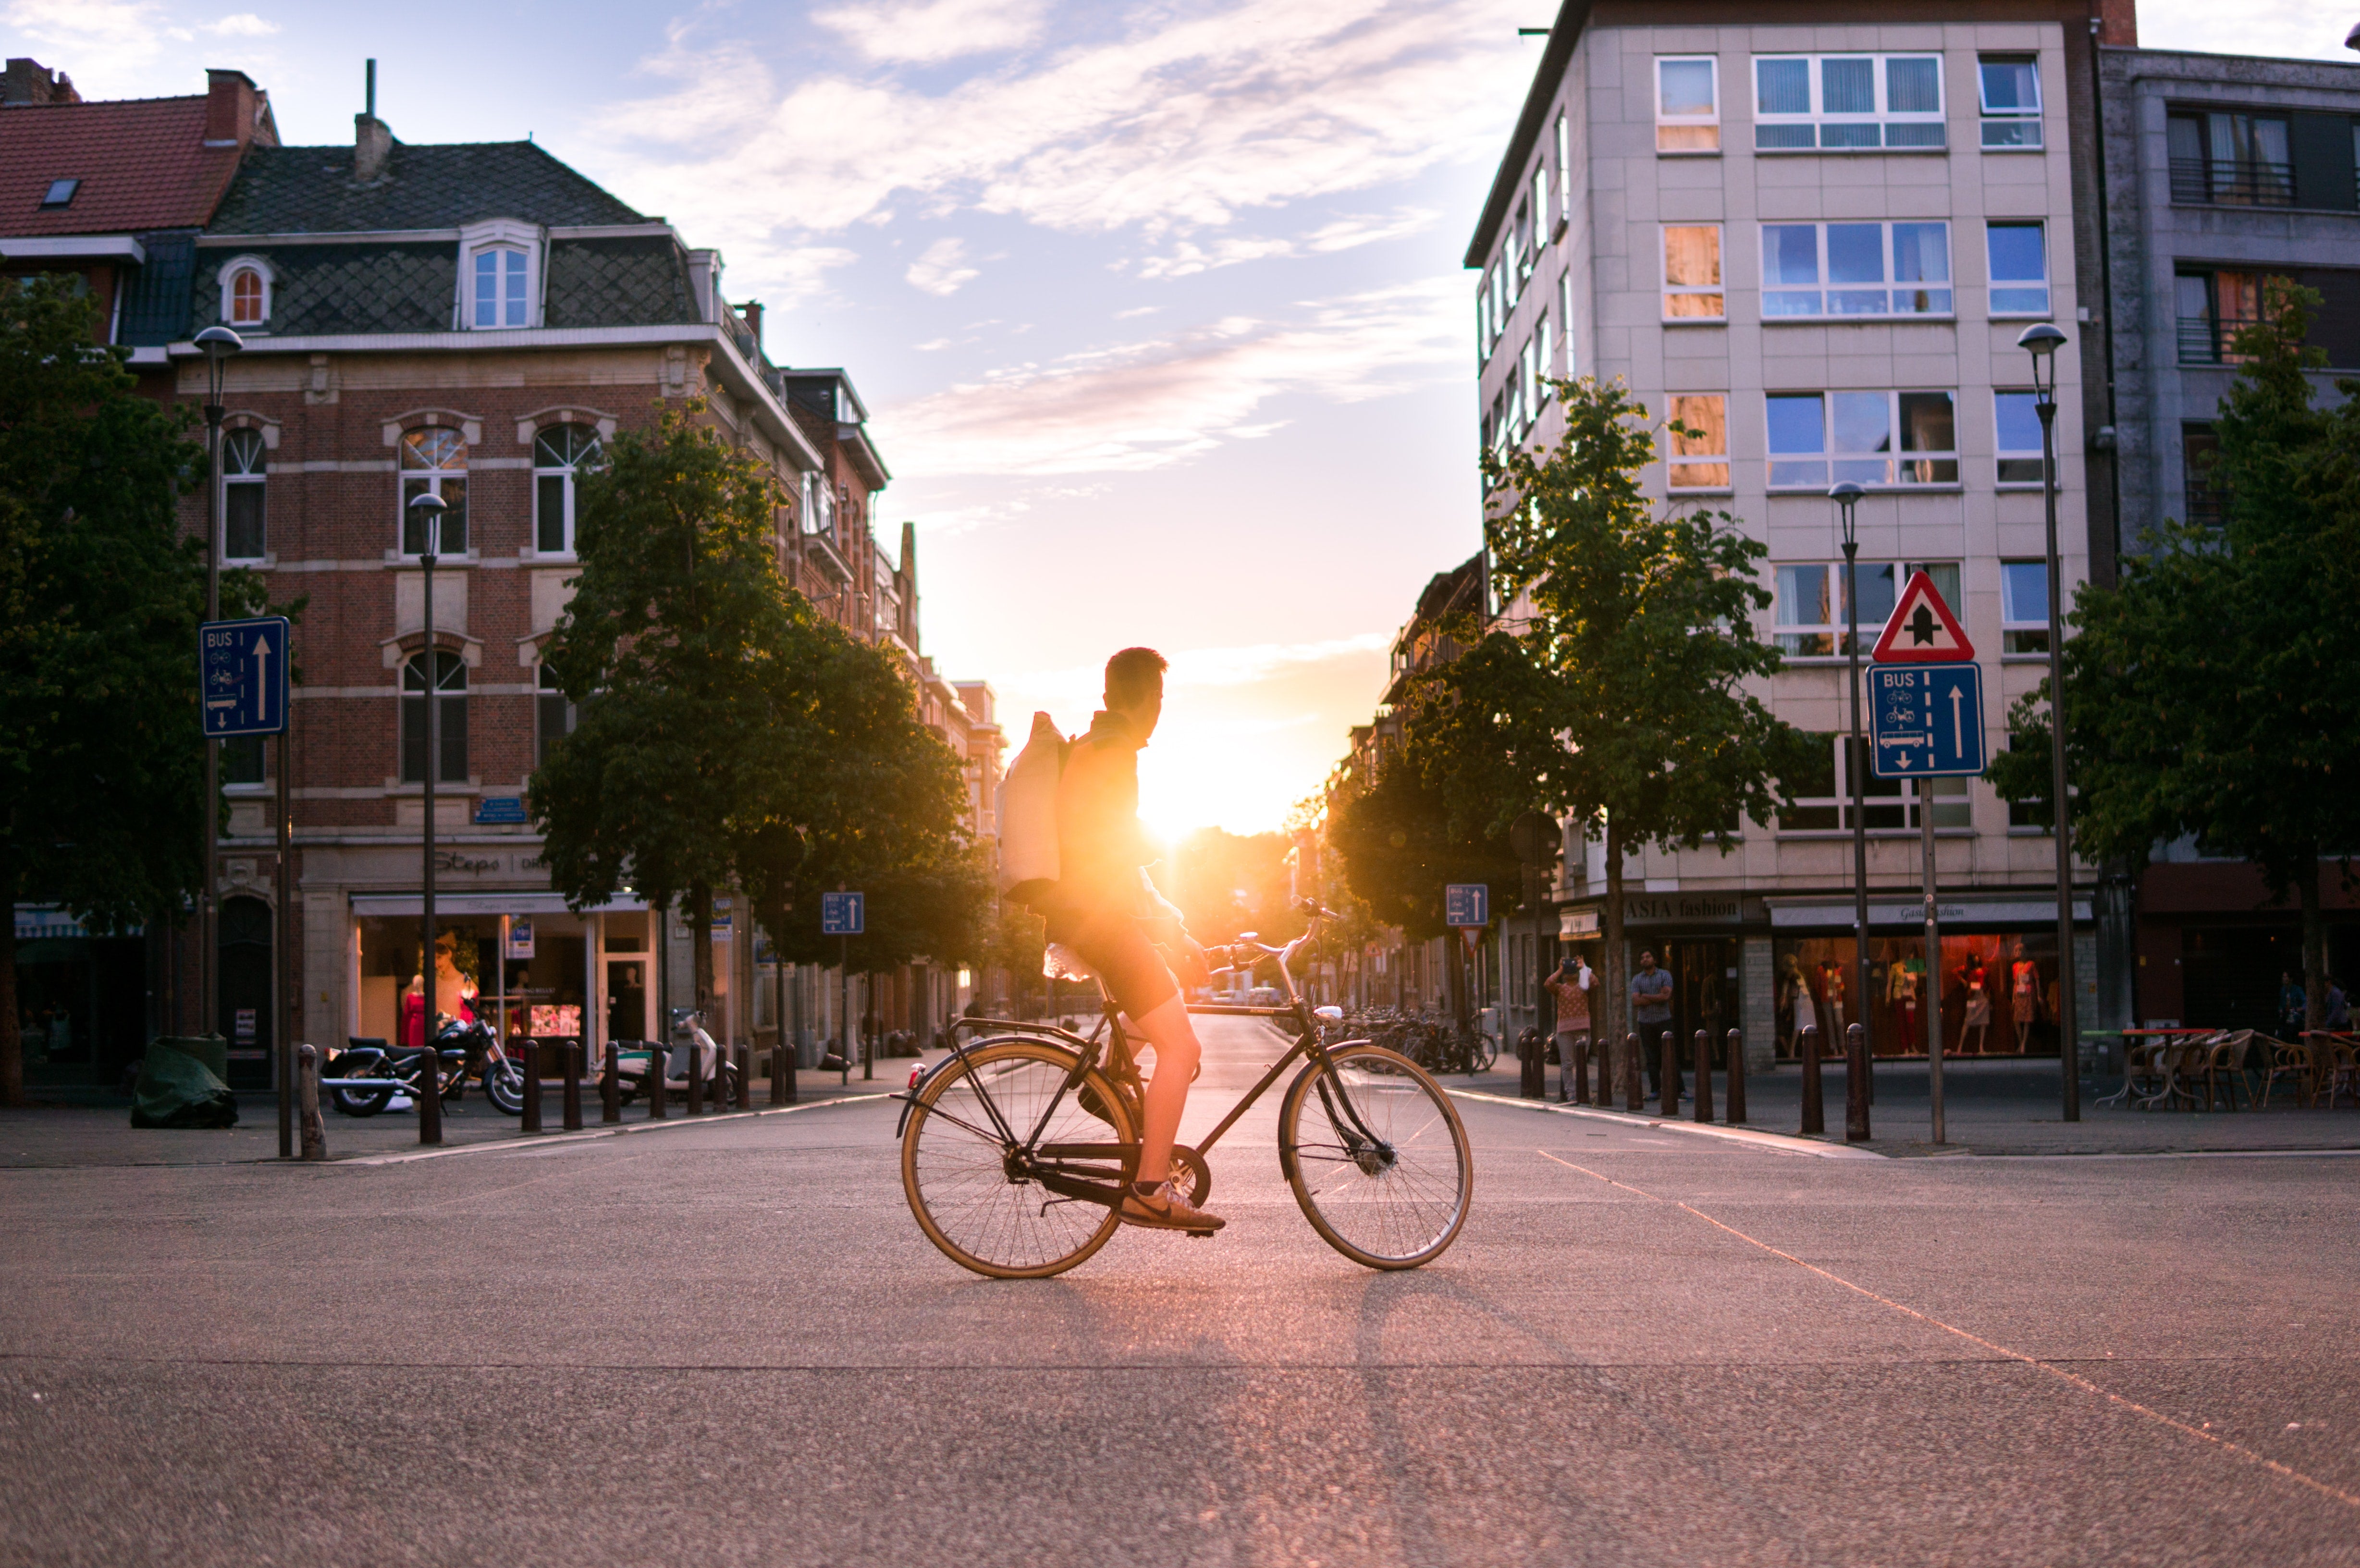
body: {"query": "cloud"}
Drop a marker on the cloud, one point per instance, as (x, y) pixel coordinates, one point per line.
(939, 270)
(1149, 404)
(243, 24)
(1344, 234)
(122, 33)
(2294, 30)
(930, 31)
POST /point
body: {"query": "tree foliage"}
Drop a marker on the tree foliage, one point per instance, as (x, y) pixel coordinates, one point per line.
(2211, 693)
(1403, 839)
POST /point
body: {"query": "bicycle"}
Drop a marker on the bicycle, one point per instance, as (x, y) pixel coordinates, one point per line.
(1017, 1149)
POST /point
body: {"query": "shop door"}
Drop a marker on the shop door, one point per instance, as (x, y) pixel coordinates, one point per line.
(1704, 989)
(627, 998)
(244, 994)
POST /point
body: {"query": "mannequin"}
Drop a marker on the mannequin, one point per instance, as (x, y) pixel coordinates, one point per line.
(1831, 996)
(1975, 981)
(1901, 979)
(1795, 996)
(453, 987)
(2024, 995)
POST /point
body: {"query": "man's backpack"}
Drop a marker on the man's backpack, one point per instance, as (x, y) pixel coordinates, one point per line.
(1028, 815)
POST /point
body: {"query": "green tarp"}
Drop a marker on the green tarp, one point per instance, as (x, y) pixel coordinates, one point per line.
(176, 1090)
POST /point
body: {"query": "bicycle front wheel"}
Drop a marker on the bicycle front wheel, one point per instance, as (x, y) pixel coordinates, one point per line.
(1376, 1156)
(957, 1154)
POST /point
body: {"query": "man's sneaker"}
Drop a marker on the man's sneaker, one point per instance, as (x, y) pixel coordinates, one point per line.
(1168, 1210)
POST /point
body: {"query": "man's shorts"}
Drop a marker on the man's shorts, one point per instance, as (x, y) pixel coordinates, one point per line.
(1114, 946)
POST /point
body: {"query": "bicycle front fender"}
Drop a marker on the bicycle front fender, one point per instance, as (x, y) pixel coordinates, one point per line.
(1285, 1149)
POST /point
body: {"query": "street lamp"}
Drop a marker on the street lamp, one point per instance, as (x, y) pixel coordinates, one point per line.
(1846, 496)
(428, 509)
(2042, 340)
(216, 343)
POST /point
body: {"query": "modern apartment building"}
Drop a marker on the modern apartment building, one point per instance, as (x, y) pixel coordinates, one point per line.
(1813, 232)
(2220, 171)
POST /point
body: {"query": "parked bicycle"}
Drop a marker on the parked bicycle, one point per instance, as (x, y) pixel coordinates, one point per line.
(1017, 1149)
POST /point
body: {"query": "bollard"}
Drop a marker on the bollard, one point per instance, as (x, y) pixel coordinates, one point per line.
(1704, 1075)
(572, 1049)
(1573, 1068)
(1815, 1115)
(1855, 1083)
(531, 1084)
(307, 1090)
(1531, 1053)
(1634, 1094)
(611, 1095)
(696, 1076)
(1736, 1077)
(659, 1070)
(745, 1059)
(780, 1058)
(1668, 1103)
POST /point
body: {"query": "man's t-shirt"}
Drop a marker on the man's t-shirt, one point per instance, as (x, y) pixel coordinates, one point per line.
(1651, 996)
(1101, 843)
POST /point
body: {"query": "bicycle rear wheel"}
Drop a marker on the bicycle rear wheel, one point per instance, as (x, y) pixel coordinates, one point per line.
(1377, 1158)
(956, 1157)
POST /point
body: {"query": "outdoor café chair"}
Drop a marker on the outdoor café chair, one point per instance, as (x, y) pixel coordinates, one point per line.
(2224, 1068)
(2288, 1062)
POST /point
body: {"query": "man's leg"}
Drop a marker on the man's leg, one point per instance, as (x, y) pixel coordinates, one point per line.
(1167, 1028)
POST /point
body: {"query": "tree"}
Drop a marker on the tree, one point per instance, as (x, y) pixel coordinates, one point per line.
(101, 755)
(2210, 694)
(1613, 690)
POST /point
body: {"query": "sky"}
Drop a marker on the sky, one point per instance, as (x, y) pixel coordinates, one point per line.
(1157, 309)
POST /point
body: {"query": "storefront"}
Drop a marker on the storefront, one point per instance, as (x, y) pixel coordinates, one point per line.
(1701, 940)
(529, 966)
(82, 1000)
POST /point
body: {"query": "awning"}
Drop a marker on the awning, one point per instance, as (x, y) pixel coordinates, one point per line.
(532, 901)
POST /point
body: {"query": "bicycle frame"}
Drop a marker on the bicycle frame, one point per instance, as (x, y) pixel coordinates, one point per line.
(1088, 1182)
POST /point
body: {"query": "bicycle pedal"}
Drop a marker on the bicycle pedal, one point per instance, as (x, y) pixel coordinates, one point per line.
(1199, 1235)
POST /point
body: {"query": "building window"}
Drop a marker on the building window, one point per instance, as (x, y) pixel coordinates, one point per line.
(2201, 498)
(553, 716)
(1517, 265)
(2230, 159)
(1810, 617)
(1823, 797)
(241, 760)
(561, 455)
(499, 277)
(2024, 606)
(2019, 268)
(61, 193)
(1855, 269)
(2016, 424)
(1854, 435)
(1687, 105)
(1482, 320)
(451, 692)
(1700, 457)
(2214, 306)
(248, 301)
(2011, 100)
(244, 534)
(1565, 314)
(1564, 171)
(1692, 273)
(1543, 221)
(819, 507)
(434, 463)
(1847, 103)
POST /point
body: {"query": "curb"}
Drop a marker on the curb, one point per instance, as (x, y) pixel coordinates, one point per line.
(1774, 1142)
(519, 1143)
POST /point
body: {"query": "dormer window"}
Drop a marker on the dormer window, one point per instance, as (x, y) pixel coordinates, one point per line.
(61, 193)
(500, 297)
(245, 287)
(500, 281)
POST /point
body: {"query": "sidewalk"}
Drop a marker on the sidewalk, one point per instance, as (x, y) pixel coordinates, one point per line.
(86, 1135)
(1994, 1107)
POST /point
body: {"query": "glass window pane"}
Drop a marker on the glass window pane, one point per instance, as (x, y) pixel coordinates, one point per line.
(1797, 425)
(242, 526)
(1782, 86)
(2017, 255)
(1856, 253)
(2024, 592)
(1686, 86)
(1928, 423)
(548, 533)
(1921, 253)
(2018, 423)
(488, 288)
(1945, 574)
(1790, 256)
(1864, 421)
(2010, 86)
(1913, 86)
(1848, 86)
(1877, 595)
(1692, 257)
(452, 742)
(2185, 138)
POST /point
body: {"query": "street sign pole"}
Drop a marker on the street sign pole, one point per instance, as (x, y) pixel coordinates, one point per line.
(283, 1031)
(1933, 956)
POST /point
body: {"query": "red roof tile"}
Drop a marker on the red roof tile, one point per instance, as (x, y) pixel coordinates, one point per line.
(143, 164)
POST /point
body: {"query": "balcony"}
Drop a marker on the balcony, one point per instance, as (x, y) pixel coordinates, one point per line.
(2203, 181)
(2205, 340)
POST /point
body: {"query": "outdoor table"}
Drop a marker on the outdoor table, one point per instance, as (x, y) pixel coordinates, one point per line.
(2121, 1095)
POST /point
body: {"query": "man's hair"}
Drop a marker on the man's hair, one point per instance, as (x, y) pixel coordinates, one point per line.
(1134, 672)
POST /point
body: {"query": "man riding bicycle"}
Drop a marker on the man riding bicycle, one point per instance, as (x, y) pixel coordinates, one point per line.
(1105, 909)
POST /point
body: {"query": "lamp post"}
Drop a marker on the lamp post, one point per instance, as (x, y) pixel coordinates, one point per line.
(216, 343)
(1846, 496)
(2042, 340)
(428, 510)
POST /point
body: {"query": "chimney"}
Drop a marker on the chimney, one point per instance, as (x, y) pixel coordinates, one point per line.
(752, 309)
(230, 98)
(372, 137)
(29, 81)
(2118, 23)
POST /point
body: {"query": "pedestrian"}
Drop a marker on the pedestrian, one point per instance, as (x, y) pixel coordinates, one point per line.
(2291, 1005)
(1571, 986)
(2339, 1007)
(1651, 1009)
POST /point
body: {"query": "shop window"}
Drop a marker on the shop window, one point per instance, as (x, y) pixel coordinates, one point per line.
(435, 461)
(2016, 425)
(1854, 435)
(1815, 270)
(1692, 288)
(244, 536)
(450, 697)
(1848, 103)
(2019, 257)
(2010, 88)
(2024, 606)
(1699, 459)
(2230, 159)
(1997, 990)
(2201, 498)
(553, 716)
(1687, 105)
(1809, 615)
(561, 455)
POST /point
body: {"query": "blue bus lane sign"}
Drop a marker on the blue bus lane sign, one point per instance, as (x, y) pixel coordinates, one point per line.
(1926, 721)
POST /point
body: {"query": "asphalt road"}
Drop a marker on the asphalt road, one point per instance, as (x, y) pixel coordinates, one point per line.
(728, 1343)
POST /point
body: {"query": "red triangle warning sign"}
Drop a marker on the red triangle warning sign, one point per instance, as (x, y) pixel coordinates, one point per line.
(1922, 630)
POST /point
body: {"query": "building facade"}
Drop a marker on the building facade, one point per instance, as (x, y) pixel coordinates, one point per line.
(1813, 233)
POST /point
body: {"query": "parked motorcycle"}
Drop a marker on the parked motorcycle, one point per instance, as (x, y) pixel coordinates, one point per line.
(390, 1070)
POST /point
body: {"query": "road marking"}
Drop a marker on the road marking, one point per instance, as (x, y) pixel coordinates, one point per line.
(560, 1139)
(1776, 1143)
(2337, 1493)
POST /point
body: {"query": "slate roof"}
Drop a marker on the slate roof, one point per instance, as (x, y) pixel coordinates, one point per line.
(311, 190)
(142, 162)
(412, 286)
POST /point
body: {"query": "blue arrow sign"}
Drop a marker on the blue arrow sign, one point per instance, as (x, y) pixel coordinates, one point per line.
(1926, 721)
(242, 668)
(1466, 904)
(843, 914)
